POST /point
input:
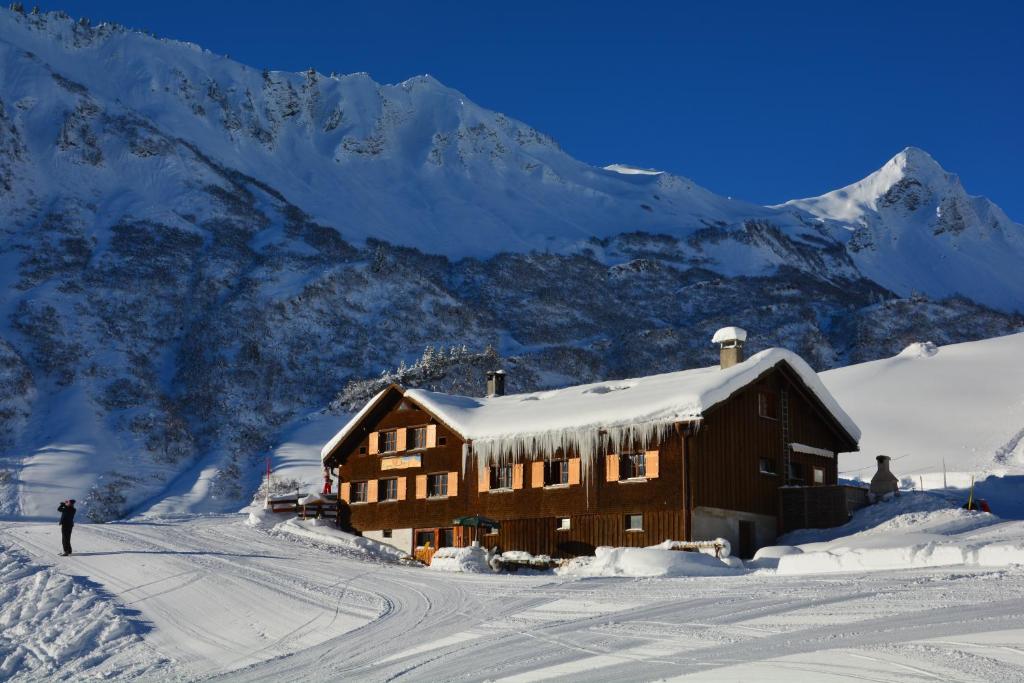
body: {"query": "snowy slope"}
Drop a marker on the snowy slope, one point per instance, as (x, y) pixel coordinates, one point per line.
(961, 404)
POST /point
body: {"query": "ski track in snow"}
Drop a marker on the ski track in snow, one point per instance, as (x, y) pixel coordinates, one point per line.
(230, 602)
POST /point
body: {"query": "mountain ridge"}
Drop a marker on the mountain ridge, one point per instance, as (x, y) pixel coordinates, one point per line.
(197, 253)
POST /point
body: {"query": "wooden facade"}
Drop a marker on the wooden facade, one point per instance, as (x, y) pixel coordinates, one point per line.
(719, 475)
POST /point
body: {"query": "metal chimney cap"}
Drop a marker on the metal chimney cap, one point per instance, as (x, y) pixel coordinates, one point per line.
(729, 334)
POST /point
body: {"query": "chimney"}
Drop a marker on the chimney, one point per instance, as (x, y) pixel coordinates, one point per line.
(495, 383)
(730, 341)
(884, 481)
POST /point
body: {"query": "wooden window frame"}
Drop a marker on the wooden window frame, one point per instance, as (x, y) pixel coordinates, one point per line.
(629, 517)
(495, 477)
(628, 464)
(382, 490)
(768, 405)
(437, 476)
(413, 441)
(356, 487)
(563, 473)
(795, 467)
(563, 527)
(771, 463)
(385, 436)
(814, 475)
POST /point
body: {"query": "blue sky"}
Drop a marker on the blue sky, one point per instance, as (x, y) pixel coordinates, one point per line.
(761, 101)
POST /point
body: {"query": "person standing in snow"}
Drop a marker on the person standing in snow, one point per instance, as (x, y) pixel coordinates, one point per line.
(327, 481)
(67, 523)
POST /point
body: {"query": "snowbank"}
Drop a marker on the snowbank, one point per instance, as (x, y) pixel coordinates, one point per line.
(58, 627)
(472, 559)
(903, 557)
(913, 531)
(646, 562)
(323, 533)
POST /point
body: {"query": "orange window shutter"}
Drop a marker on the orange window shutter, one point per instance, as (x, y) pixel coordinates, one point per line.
(371, 491)
(574, 471)
(651, 464)
(537, 474)
(345, 491)
(517, 476)
(400, 439)
(421, 486)
(483, 482)
(611, 467)
(401, 488)
(453, 484)
(431, 436)
(374, 449)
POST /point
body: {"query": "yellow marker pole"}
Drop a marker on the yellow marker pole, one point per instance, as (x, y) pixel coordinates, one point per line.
(970, 498)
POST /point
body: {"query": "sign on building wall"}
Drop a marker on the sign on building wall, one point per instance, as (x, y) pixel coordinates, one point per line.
(400, 462)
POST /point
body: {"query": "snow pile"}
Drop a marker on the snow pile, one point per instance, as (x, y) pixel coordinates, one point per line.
(323, 533)
(54, 626)
(916, 530)
(720, 547)
(587, 417)
(768, 557)
(646, 562)
(471, 560)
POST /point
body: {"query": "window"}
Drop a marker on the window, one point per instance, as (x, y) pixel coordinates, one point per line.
(437, 485)
(417, 437)
(388, 489)
(632, 466)
(767, 466)
(362, 450)
(425, 538)
(386, 533)
(819, 475)
(767, 405)
(796, 471)
(634, 522)
(556, 472)
(442, 440)
(563, 524)
(501, 476)
(358, 494)
(387, 441)
(490, 530)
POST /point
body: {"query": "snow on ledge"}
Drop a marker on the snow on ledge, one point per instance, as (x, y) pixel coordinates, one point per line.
(811, 450)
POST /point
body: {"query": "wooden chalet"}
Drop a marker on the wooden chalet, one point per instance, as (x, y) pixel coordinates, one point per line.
(690, 455)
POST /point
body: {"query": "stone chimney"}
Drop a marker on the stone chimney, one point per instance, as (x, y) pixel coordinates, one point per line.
(730, 341)
(884, 481)
(495, 383)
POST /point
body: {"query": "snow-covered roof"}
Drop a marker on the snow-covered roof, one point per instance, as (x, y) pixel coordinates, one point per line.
(589, 416)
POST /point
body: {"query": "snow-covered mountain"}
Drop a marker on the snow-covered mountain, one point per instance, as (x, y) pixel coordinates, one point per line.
(195, 252)
(913, 227)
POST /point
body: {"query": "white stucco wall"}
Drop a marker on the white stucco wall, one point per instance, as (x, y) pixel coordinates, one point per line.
(400, 538)
(711, 523)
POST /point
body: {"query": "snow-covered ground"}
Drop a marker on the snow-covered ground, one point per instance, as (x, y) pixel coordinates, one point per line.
(217, 597)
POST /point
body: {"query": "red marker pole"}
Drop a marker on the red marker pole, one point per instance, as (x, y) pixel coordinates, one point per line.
(267, 503)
